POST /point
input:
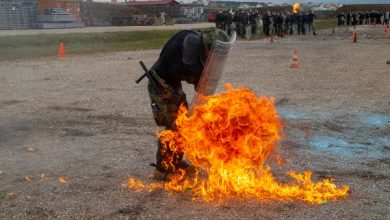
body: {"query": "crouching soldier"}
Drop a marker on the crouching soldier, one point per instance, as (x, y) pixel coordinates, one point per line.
(181, 59)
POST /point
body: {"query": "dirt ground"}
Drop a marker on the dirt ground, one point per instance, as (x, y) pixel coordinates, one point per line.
(87, 121)
(103, 29)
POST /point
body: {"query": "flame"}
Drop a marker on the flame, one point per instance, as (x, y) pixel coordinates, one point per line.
(30, 149)
(229, 139)
(44, 176)
(296, 8)
(62, 180)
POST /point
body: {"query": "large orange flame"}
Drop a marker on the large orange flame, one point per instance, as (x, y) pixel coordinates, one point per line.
(229, 139)
(296, 8)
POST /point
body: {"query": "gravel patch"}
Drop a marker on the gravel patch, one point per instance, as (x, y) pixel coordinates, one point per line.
(89, 122)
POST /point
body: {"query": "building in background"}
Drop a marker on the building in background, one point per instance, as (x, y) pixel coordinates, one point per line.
(194, 10)
(237, 4)
(168, 7)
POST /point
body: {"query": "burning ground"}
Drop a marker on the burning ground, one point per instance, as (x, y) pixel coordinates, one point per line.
(89, 129)
(228, 139)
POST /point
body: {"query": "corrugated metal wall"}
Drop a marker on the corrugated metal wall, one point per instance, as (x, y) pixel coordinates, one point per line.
(17, 14)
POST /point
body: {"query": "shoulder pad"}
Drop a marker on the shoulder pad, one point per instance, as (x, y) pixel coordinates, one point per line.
(191, 49)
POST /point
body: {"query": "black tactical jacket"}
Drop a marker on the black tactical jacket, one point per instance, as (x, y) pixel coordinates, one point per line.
(180, 59)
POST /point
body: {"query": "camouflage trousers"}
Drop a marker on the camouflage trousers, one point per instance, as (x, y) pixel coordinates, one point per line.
(165, 105)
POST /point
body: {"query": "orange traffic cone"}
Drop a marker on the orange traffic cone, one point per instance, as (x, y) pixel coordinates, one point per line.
(295, 56)
(272, 39)
(61, 50)
(354, 37)
(295, 64)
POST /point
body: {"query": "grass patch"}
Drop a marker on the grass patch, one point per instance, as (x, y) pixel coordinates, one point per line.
(325, 24)
(32, 46)
(2, 196)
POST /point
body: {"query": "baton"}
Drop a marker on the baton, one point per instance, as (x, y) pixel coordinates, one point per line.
(145, 74)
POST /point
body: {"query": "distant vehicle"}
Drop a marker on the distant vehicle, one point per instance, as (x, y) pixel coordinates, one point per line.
(184, 21)
(212, 16)
(56, 11)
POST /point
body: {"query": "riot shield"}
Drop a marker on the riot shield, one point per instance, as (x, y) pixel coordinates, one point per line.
(248, 32)
(258, 26)
(212, 71)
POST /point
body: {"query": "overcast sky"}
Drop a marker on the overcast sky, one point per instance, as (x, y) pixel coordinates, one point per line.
(337, 1)
(294, 1)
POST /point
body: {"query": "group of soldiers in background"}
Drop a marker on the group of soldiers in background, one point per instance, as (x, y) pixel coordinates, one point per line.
(247, 23)
(359, 18)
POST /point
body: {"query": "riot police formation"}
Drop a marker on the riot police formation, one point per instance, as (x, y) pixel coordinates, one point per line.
(247, 23)
(359, 18)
